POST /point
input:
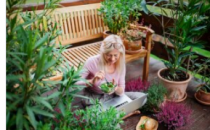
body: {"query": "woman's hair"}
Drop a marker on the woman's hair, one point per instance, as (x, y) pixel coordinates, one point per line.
(110, 43)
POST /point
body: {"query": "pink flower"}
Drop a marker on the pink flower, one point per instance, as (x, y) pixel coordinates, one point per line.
(136, 85)
(174, 115)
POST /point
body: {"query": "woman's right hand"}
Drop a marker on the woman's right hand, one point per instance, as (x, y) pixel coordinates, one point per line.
(98, 76)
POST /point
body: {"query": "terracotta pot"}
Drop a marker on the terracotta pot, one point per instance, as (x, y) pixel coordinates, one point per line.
(176, 89)
(132, 47)
(202, 96)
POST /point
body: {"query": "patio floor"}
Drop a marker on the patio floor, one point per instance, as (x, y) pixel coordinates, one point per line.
(200, 115)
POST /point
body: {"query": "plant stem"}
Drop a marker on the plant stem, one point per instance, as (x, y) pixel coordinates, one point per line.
(188, 61)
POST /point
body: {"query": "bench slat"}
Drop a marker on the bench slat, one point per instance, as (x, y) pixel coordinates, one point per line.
(80, 54)
(89, 51)
(93, 48)
(73, 25)
(85, 51)
(69, 26)
(76, 23)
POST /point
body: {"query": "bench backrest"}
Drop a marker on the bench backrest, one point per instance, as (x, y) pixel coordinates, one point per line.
(77, 23)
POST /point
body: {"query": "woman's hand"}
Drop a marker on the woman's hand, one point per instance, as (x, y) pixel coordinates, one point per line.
(119, 90)
(98, 76)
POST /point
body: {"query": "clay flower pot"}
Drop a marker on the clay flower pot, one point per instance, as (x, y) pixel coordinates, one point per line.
(176, 89)
(132, 47)
(202, 96)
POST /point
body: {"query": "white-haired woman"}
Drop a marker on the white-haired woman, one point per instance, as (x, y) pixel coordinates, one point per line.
(108, 65)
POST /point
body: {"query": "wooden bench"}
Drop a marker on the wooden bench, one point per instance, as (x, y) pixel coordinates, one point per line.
(82, 23)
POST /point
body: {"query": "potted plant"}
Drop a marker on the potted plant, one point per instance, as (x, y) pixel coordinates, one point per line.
(202, 94)
(133, 37)
(184, 34)
(116, 13)
(174, 115)
(156, 96)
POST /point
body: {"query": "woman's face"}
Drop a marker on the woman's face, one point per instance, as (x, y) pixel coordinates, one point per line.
(112, 57)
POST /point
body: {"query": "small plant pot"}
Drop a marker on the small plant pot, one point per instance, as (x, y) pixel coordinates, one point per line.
(202, 97)
(132, 47)
(176, 89)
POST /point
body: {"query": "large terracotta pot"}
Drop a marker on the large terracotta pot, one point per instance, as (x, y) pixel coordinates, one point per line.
(132, 47)
(176, 89)
(202, 96)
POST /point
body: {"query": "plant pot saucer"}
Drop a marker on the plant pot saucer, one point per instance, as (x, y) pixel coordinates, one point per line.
(202, 102)
(180, 100)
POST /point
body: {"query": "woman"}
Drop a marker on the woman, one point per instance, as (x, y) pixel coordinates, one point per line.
(109, 66)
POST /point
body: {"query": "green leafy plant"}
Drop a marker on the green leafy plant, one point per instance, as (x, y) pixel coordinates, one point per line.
(189, 23)
(156, 93)
(29, 57)
(93, 117)
(133, 34)
(116, 13)
(204, 68)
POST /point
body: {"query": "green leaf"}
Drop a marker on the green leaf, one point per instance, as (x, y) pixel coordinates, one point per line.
(42, 112)
(185, 55)
(17, 58)
(77, 95)
(19, 119)
(198, 28)
(62, 108)
(144, 6)
(49, 64)
(14, 77)
(7, 117)
(43, 101)
(42, 41)
(23, 34)
(31, 116)
(54, 95)
(26, 124)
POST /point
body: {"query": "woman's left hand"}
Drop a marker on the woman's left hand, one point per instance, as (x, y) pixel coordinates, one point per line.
(119, 90)
(113, 81)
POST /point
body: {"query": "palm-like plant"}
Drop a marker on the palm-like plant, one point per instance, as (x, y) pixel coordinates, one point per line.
(189, 24)
(30, 55)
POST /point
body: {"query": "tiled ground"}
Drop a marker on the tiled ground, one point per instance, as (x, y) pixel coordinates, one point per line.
(201, 113)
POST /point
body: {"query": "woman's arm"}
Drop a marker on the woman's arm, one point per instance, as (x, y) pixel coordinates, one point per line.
(119, 90)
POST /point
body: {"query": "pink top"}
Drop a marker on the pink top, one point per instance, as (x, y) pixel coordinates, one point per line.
(91, 68)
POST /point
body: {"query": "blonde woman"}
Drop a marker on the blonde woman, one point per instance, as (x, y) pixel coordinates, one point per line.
(108, 65)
